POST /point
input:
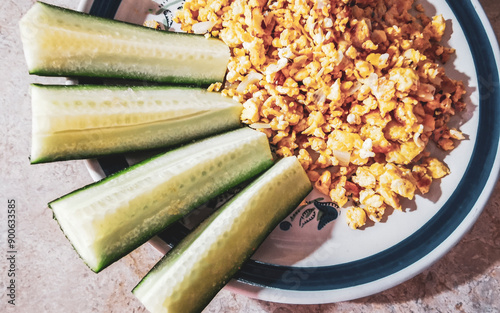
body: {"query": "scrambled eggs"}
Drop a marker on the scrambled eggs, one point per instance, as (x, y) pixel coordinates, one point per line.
(354, 88)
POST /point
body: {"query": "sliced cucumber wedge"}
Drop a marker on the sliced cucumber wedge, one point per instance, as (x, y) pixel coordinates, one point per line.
(106, 220)
(87, 121)
(62, 42)
(192, 273)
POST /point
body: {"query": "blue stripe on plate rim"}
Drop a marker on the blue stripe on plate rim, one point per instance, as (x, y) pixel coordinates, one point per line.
(105, 9)
(440, 233)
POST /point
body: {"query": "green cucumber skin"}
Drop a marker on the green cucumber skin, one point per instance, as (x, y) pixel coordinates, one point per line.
(111, 87)
(113, 257)
(79, 155)
(207, 295)
(126, 75)
(169, 80)
(125, 143)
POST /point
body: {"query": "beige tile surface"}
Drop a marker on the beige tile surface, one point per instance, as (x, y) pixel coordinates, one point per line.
(51, 278)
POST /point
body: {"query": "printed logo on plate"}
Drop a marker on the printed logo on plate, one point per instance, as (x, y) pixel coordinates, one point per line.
(313, 211)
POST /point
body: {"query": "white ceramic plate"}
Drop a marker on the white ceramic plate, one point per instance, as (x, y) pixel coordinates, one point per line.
(313, 257)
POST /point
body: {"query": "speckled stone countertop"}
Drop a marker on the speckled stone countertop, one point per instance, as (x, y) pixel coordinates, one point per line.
(51, 278)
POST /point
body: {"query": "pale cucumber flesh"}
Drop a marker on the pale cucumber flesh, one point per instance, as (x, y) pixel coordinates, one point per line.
(190, 275)
(75, 122)
(106, 220)
(61, 42)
